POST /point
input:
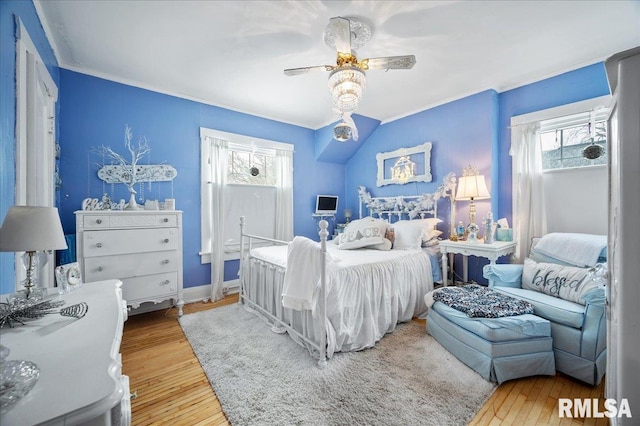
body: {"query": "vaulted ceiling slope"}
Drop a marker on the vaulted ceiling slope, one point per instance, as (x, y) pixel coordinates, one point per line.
(233, 53)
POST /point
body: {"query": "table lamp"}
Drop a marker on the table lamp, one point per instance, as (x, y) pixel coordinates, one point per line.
(347, 215)
(31, 229)
(471, 186)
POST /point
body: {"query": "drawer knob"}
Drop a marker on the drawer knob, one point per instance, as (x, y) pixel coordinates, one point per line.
(99, 221)
(164, 262)
(165, 282)
(99, 268)
(165, 220)
(99, 245)
(166, 240)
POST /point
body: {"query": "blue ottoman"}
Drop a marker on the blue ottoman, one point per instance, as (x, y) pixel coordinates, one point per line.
(499, 349)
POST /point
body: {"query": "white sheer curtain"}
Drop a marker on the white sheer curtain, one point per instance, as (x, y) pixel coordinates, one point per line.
(529, 213)
(284, 195)
(218, 164)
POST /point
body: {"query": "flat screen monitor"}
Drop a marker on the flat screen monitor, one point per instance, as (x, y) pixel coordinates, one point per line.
(326, 204)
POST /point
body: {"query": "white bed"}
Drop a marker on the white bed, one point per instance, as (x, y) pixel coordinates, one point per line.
(361, 294)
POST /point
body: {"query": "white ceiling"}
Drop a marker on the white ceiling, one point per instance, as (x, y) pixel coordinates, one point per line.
(233, 53)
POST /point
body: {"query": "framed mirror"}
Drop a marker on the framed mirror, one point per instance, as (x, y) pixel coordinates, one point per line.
(404, 165)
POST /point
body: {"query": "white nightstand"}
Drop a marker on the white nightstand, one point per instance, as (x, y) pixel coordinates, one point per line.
(489, 251)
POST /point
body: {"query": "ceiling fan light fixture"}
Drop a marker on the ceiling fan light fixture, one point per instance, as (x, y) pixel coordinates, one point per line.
(346, 85)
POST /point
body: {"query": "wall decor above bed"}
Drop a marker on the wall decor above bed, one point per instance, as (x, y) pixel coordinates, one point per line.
(412, 205)
(404, 165)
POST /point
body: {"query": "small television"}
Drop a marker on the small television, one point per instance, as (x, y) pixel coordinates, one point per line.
(326, 204)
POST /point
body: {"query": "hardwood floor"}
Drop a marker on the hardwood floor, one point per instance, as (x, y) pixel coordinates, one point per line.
(172, 388)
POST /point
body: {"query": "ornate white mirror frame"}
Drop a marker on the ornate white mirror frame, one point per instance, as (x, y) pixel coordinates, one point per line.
(402, 154)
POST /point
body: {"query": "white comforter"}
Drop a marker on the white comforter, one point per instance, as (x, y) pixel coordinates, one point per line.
(368, 293)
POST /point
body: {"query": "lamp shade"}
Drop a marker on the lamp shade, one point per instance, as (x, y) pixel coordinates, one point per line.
(472, 187)
(32, 228)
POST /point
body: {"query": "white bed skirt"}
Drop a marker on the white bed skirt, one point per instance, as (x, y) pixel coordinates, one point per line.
(369, 301)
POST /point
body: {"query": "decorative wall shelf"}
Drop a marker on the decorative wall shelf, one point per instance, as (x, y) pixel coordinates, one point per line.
(145, 173)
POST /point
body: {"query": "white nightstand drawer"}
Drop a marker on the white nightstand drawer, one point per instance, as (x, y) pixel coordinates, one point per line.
(110, 242)
(149, 286)
(132, 265)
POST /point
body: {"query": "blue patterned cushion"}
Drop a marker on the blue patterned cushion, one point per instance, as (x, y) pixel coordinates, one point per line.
(481, 302)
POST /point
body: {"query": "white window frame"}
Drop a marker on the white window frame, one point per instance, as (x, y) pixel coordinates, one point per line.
(234, 139)
(558, 113)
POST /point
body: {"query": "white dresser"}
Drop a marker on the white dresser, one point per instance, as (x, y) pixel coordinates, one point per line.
(141, 248)
(81, 381)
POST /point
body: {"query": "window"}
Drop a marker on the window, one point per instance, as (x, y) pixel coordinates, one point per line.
(564, 138)
(257, 184)
(247, 165)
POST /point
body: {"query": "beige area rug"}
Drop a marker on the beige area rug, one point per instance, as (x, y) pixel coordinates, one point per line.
(262, 378)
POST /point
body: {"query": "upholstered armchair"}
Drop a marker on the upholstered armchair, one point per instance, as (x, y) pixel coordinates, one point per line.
(571, 298)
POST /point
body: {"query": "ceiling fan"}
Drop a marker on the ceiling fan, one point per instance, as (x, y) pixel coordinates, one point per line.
(347, 78)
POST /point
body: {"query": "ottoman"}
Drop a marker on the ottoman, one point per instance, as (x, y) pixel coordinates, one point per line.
(498, 349)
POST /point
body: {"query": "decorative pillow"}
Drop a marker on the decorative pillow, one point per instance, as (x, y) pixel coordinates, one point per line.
(429, 226)
(565, 282)
(371, 242)
(429, 223)
(408, 235)
(428, 238)
(366, 232)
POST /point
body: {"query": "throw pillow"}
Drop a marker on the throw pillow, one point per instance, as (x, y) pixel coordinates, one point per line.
(366, 232)
(565, 282)
(429, 227)
(408, 235)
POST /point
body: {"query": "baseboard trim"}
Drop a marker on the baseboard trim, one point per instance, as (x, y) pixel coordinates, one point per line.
(201, 293)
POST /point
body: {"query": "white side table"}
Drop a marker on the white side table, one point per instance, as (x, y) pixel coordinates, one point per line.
(489, 251)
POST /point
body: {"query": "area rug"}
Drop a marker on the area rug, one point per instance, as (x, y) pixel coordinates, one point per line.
(263, 378)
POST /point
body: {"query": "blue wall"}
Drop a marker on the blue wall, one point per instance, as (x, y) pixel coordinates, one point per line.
(473, 130)
(95, 111)
(9, 10)
(462, 132)
(574, 86)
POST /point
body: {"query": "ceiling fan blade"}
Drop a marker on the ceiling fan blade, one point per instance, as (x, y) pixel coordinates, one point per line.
(305, 70)
(342, 32)
(390, 63)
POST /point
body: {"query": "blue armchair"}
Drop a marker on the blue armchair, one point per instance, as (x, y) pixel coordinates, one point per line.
(578, 331)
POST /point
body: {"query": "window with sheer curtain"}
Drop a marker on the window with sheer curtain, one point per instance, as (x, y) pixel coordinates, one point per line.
(543, 143)
(242, 176)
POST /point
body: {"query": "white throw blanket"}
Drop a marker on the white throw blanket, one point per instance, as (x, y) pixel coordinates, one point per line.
(302, 278)
(576, 249)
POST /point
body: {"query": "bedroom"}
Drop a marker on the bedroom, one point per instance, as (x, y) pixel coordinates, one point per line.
(93, 109)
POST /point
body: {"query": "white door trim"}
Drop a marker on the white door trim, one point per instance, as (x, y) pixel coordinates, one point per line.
(36, 97)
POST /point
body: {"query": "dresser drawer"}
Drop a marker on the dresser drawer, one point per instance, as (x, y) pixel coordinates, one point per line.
(141, 220)
(132, 265)
(149, 286)
(95, 221)
(126, 220)
(110, 242)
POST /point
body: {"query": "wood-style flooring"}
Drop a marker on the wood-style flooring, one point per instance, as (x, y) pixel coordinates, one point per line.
(172, 388)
